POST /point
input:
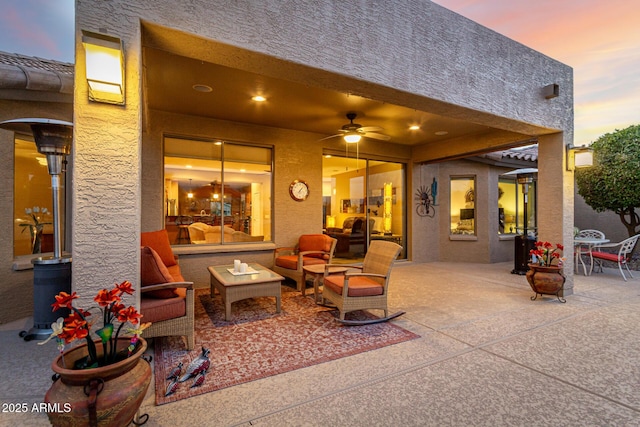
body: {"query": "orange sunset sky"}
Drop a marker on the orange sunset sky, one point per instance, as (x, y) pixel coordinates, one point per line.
(599, 39)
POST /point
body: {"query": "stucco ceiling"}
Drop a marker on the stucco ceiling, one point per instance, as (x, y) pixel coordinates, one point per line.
(298, 98)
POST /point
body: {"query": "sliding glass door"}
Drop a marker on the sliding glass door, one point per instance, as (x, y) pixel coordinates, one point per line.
(363, 200)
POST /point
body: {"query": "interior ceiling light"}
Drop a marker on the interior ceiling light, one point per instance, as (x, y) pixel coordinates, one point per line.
(352, 137)
(202, 88)
(259, 98)
(414, 127)
(441, 132)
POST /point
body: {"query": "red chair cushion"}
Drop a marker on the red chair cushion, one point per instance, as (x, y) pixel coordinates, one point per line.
(156, 310)
(607, 256)
(359, 286)
(153, 272)
(291, 261)
(159, 241)
(315, 242)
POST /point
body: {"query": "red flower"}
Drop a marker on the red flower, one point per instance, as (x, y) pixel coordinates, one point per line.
(76, 329)
(559, 246)
(129, 314)
(125, 287)
(63, 300)
(105, 297)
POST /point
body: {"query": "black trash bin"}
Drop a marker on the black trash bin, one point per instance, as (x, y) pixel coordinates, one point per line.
(523, 244)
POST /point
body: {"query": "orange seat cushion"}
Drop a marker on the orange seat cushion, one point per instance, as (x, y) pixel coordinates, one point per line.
(315, 242)
(159, 241)
(154, 272)
(607, 256)
(156, 310)
(291, 261)
(359, 286)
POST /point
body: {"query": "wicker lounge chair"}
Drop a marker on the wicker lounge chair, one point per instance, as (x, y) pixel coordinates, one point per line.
(365, 289)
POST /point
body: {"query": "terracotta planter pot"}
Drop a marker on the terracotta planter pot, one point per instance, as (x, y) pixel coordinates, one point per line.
(546, 280)
(104, 396)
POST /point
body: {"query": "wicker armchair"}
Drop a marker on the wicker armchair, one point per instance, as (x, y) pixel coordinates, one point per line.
(167, 300)
(311, 249)
(365, 289)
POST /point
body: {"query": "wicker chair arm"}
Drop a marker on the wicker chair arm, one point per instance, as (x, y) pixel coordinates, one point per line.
(312, 252)
(357, 273)
(169, 285)
(284, 251)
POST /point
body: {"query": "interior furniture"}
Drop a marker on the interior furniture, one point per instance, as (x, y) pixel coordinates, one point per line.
(622, 257)
(317, 272)
(258, 282)
(364, 289)
(311, 249)
(182, 222)
(351, 237)
(166, 299)
(200, 233)
(583, 244)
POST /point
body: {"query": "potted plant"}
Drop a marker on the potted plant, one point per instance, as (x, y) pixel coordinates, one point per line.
(104, 380)
(545, 270)
(35, 224)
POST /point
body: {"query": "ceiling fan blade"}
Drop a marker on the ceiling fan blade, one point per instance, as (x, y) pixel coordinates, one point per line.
(371, 129)
(329, 137)
(377, 136)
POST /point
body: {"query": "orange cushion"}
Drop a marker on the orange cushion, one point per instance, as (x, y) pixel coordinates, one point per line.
(315, 242)
(153, 272)
(291, 261)
(607, 256)
(358, 286)
(156, 310)
(159, 241)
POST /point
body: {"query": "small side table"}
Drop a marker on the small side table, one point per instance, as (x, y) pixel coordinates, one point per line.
(317, 272)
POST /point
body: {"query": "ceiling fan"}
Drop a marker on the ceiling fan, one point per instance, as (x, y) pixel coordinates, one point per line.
(352, 132)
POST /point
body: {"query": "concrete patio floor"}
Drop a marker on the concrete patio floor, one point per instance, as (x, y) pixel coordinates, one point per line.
(487, 356)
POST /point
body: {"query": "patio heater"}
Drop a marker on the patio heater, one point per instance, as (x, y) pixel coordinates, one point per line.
(523, 242)
(51, 275)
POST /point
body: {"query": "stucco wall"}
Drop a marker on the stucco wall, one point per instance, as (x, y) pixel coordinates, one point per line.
(412, 53)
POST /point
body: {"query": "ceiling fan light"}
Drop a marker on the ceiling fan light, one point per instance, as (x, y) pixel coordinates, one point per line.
(352, 138)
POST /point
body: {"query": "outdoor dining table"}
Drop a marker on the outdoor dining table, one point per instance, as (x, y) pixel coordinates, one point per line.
(588, 243)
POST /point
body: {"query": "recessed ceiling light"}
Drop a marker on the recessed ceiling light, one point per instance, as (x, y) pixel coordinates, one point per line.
(442, 132)
(243, 170)
(327, 156)
(414, 127)
(259, 98)
(217, 143)
(188, 166)
(202, 88)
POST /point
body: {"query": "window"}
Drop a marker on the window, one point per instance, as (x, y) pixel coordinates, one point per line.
(363, 200)
(507, 205)
(33, 215)
(511, 206)
(462, 203)
(217, 192)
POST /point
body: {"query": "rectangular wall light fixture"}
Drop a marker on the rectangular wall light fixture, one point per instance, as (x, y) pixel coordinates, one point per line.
(104, 58)
(579, 157)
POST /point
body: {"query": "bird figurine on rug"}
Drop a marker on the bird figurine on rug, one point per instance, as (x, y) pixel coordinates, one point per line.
(199, 379)
(197, 365)
(172, 387)
(175, 372)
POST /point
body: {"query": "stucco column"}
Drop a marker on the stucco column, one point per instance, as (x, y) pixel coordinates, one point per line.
(106, 172)
(555, 200)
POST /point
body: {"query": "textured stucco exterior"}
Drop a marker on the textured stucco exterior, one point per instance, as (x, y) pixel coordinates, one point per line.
(411, 53)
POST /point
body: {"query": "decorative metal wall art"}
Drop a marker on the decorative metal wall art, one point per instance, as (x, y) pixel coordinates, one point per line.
(426, 199)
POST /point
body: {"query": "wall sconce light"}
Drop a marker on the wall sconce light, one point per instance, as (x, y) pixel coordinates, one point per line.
(579, 157)
(387, 201)
(104, 59)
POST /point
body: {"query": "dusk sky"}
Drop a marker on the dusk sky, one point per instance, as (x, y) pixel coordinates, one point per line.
(599, 39)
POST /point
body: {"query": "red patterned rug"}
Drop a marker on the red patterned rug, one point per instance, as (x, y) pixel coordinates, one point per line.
(258, 342)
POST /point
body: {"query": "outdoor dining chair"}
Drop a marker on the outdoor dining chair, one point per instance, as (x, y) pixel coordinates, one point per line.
(622, 257)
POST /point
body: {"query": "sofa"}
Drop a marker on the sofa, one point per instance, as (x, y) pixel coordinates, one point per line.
(200, 233)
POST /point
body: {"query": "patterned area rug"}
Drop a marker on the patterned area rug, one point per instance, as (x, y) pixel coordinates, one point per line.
(258, 342)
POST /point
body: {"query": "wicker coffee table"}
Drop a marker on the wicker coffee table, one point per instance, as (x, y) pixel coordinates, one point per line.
(260, 282)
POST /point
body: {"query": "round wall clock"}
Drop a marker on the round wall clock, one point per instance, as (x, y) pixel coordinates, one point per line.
(299, 190)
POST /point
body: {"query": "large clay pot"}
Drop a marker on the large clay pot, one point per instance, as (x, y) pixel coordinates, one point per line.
(104, 396)
(546, 280)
